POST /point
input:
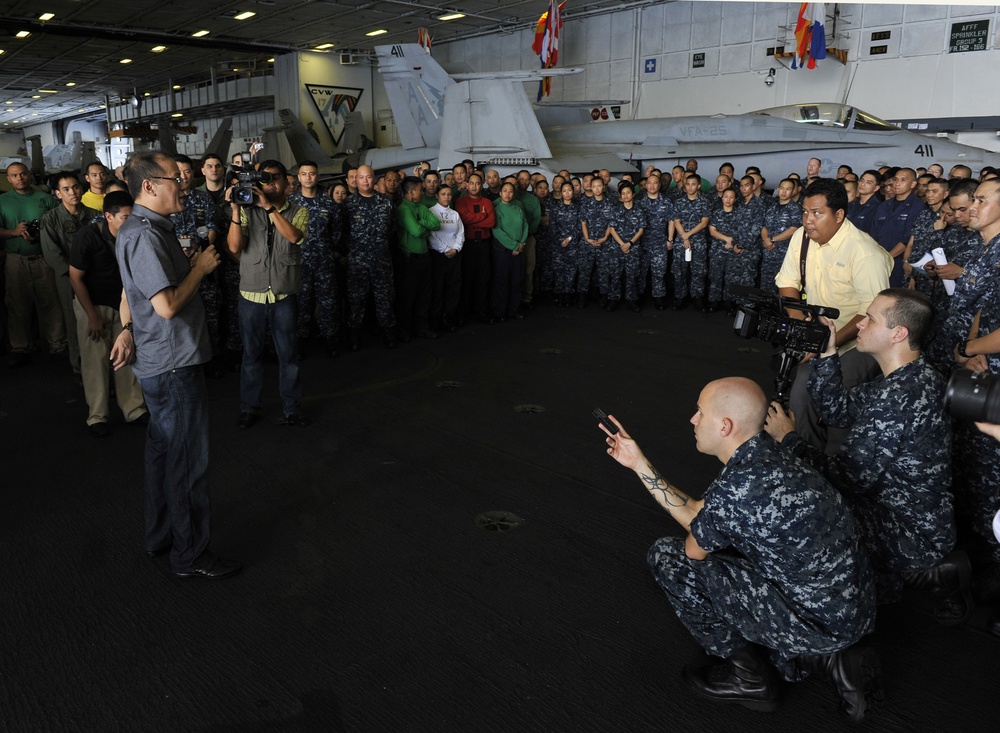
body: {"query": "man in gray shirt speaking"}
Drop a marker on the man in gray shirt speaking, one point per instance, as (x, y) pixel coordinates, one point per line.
(171, 343)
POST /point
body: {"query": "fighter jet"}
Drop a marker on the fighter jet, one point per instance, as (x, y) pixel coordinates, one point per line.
(487, 117)
(305, 147)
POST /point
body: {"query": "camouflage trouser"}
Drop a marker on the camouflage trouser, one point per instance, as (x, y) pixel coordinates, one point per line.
(230, 312)
(696, 269)
(366, 273)
(742, 270)
(718, 270)
(619, 262)
(976, 486)
(211, 296)
(564, 264)
(770, 264)
(318, 293)
(604, 257)
(586, 256)
(545, 261)
(654, 259)
(725, 604)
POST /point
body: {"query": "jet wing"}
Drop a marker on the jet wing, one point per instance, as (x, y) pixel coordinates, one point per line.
(660, 149)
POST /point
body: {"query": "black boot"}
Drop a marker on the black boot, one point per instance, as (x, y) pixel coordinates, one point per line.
(330, 346)
(745, 678)
(633, 306)
(581, 300)
(355, 339)
(950, 581)
(855, 676)
(660, 303)
(389, 335)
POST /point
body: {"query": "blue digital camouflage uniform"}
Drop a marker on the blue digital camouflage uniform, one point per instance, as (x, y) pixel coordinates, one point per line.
(200, 211)
(975, 457)
(545, 257)
(627, 223)
(689, 277)
(743, 266)
(787, 568)
(564, 222)
(894, 468)
(369, 262)
(777, 218)
(925, 239)
(960, 246)
(318, 289)
(718, 256)
(654, 257)
(227, 275)
(597, 215)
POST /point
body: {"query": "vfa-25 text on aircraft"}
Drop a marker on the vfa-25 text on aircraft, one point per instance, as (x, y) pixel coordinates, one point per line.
(487, 117)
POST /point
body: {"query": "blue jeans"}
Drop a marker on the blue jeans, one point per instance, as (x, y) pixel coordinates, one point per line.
(177, 509)
(253, 330)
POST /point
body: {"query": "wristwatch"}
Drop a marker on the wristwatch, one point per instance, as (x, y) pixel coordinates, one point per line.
(128, 326)
(270, 210)
(961, 349)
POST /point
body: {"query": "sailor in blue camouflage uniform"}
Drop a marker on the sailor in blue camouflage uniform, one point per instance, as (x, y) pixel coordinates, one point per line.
(927, 232)
(894, 468)
(722, 229)
(693, 211)
(318, 282)
(772, 563)
(627, 223)
(198, 224)
(654, 257)
(566, 239)
(543, 244)
(780, 222)
(370, 220)
(595, 213)
(745, 259)
(976, 457)
(961, 244)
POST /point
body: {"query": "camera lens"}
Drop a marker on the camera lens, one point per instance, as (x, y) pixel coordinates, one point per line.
(973, 396)
(243, 196)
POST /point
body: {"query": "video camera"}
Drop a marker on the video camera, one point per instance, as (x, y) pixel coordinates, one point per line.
(973, 396)
(244, 179)
(768, 320)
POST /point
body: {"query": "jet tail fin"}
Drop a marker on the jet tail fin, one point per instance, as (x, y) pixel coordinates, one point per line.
(415, 84)
(303, 145)
(489, 119)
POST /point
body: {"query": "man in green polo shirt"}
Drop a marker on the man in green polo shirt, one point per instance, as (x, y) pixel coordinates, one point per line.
(30, 280)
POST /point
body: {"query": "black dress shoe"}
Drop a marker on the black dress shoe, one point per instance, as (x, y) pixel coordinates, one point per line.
(745, 678)
(247, 419)
(211, 567)
(151, 554)
(855, 676)
(293, 420)
(99, 430)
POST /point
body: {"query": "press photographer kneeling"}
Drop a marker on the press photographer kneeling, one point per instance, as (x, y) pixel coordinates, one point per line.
(894, 467)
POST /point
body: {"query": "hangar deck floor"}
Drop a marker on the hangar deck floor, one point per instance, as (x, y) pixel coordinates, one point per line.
(370, 599)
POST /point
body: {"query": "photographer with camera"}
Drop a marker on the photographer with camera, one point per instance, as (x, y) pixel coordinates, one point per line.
(30, 280)
(831, 262)
(266, 233)
(894, 468)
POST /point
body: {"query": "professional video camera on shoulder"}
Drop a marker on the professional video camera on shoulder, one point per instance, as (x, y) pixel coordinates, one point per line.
(767, 319)
(243, 180)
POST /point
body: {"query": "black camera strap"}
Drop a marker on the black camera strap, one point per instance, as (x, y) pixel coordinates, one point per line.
(803, 251)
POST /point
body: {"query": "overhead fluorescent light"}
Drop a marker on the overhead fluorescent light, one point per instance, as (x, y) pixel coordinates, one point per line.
(451, 16)
(1, 51)
(177, 86)
(245, 14)
(46, 16)
(103, 106)
(270, 60)
(177, 114)
(146, 94)
(9, 101)
(125, 61)
(49, 91)
(324, 46)
(379, 32)
(199, 34)
(158, 49)
(22, 34)
(71, 83)
(36, 96)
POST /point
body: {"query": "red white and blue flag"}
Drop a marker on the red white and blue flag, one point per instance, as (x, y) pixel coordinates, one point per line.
(810, 35)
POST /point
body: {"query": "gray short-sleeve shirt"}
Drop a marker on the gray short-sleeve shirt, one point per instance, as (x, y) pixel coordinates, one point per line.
(151, 259)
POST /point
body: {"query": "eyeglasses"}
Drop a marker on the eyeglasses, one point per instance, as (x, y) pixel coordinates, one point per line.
(176, 179)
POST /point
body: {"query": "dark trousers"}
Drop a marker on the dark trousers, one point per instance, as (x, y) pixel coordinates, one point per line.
(508, 274)
(254, 318)
(476, 279)
(446, 279)
(176, 481)
(413, 292)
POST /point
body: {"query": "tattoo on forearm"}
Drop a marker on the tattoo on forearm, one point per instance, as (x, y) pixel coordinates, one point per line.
(656, 484)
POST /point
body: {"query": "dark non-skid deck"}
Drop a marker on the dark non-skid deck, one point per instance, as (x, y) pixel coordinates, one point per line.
(374, 596)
